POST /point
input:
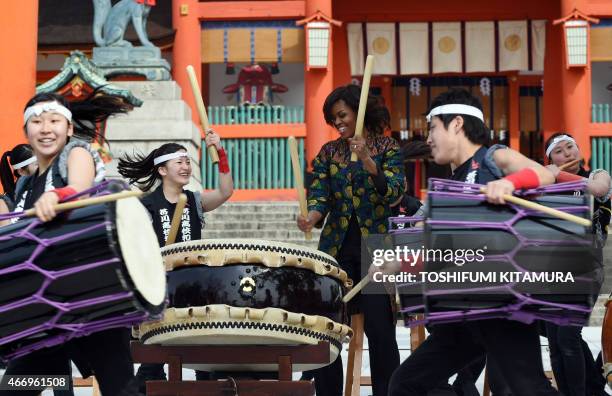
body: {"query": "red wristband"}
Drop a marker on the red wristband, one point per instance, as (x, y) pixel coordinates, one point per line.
(524, 179)
(223, 164)
(564, 177)
(64, 192)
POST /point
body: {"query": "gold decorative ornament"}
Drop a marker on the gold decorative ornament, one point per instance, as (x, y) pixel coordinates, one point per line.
(447, 44)
(381, 45)
(513, 42)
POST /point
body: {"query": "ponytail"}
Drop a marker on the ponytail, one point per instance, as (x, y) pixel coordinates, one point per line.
(6, 175)
(140, 169)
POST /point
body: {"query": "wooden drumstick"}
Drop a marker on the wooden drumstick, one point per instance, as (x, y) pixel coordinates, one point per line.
(571, 163)
(544, 209)
(176, 219)
(197, 96)
(299, 183)
(89, 201)
(356, 289)
(363, 99)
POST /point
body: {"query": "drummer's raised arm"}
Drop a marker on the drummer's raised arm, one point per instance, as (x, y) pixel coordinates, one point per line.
(215, 198)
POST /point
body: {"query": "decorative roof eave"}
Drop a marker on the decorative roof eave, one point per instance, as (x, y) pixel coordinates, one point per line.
(318, 16)
(77, 64)
(576, 14)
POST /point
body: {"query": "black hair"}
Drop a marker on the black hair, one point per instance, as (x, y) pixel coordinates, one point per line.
(19, 153)
(415, 149)
(86, 113)
(377, 117)
(475, 130)
(552, 137)
(141, 170)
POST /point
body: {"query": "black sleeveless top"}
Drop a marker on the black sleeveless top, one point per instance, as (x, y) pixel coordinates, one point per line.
(479, 169)
(601, 213)
(162, 211)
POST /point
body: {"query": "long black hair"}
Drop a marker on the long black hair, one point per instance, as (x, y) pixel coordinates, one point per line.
(19, 153)
(140, 169)
(377, 117)
(86, 113)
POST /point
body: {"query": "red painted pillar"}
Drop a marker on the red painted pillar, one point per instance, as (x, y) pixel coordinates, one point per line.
(513, 110)
(575, 89)
(18, 45)
(317, 85)
(187, 49)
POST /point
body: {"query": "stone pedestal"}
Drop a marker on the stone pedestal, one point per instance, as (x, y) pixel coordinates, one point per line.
(145, 61)
(162, 118)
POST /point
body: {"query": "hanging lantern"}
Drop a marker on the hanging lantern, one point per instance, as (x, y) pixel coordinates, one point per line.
(318, 39)
(576, 29)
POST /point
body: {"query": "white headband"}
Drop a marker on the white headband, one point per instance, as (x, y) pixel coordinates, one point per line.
(25, 163)
(39, 108)
(557, 140)
(456, 108)
(168, 157)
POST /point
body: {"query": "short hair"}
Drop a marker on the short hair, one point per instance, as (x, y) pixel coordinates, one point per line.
(475, 130)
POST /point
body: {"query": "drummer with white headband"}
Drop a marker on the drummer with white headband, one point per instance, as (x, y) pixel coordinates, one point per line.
(458, 136)
(573, 365)
(170, 167)
(15, 163)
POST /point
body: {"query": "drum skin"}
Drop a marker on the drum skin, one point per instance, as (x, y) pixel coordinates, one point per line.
(606, 343)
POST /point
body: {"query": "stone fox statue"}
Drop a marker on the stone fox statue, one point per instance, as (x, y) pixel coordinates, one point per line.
(111, 21)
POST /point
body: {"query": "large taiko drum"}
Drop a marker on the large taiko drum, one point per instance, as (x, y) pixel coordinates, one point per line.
(606, 343)
(250, 292)
(89, 270)
(501, 261)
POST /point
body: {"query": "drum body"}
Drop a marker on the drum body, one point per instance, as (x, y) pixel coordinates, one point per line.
(523, 265)
(88, 270)
(250, 292)
(606, 343)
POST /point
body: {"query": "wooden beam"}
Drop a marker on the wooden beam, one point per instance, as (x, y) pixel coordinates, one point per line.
(241, 10)
(601, 9)
(600, 129)
(260, 130)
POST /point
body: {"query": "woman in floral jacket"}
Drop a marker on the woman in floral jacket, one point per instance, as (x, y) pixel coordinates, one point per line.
(355, 197)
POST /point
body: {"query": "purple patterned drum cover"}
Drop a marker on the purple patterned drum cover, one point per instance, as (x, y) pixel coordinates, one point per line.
(524, 265)
(88, 270)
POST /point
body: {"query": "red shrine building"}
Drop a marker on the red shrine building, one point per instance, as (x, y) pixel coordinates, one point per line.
(266, 68)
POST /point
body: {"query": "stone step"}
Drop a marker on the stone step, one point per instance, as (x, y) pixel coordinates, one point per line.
(145, 90)
(230, 208)
(219, 224)
(124, 128)
(170, 109)
(215, 217)
(279, 235)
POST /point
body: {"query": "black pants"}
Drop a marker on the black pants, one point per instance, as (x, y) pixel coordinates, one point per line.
(379, 327)
(514, 347)
(106, 354)
(465, 383)
(571, 360)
